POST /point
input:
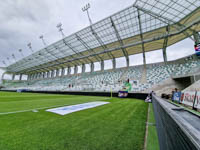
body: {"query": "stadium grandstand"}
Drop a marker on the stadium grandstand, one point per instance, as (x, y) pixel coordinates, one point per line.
(140, 28)
(145, 26)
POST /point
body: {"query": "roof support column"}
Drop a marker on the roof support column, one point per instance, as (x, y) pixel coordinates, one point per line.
(30, 77)
(196, 37)
(52, 73)
(165, 45)
(48, 73)
(141, 36)
(102, 65)
(63, 72)
(92, 67)
(13, 77)
(2, 77)
(127, 61)
(57, 72)
(75, 69)
(43, 75)
(68, 70)
(20, 77)
(114, 63)
(165, 54)
(83, 68)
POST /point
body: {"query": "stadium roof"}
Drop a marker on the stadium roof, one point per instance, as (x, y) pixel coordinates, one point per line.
(144, 26)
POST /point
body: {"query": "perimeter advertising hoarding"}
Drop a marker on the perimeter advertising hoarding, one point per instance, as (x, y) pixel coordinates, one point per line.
(197, 101)
(177, 96)
(197, 49)
(188, 98)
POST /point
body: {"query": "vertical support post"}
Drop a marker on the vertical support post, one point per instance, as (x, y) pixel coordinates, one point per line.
(57, 72)
(102, 65)
(68, 70)
(92, 67)
(52, 73)
(83, 68)
(165, 45)
(165, 54)
(114, 63)
(20, 77)
(63, 72)
(47, 76)
(127, 61)
(75, 69)
(13, 77)
(43, 75)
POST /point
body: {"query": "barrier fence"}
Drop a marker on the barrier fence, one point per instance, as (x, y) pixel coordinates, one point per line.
(177, 128)
(141, 96)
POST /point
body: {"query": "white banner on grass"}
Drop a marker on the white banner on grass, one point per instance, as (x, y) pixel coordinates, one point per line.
(73, 108)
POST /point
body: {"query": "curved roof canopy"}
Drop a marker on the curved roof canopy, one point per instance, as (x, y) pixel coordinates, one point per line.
(144, 26)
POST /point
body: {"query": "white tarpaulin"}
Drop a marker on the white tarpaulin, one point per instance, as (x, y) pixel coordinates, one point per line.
(73, 108)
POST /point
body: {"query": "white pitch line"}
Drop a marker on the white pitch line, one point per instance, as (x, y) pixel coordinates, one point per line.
(20, 111)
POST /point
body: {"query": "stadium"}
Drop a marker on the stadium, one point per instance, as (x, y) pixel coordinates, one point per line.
(64, 96)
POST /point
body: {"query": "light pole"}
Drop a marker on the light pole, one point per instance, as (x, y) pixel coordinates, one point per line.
(42, 38)
(60, 29)
(86, 8)
(30, 47)
(20, 51)
(13, 55)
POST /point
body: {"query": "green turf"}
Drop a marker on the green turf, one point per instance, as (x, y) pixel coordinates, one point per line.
(152, 139)
(119, 125)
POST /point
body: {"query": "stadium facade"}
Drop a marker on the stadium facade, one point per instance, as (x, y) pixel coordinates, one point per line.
(143, 27)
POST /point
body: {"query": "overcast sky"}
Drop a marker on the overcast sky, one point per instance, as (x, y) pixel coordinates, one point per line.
(23, 21)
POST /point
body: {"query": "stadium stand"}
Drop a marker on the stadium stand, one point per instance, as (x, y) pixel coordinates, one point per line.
(112, 79)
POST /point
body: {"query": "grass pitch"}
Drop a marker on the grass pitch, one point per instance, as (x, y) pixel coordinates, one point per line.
(119, 125)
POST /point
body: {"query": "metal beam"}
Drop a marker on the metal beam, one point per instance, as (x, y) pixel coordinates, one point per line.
(164, 20)
(75, 52)
(101, 42)
(58, 48)
(165, 45)
(98, 58)
(125, 53)
(141, 36)
(125, 46)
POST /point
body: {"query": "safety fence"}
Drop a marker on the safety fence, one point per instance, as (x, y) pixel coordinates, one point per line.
(177, 128)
